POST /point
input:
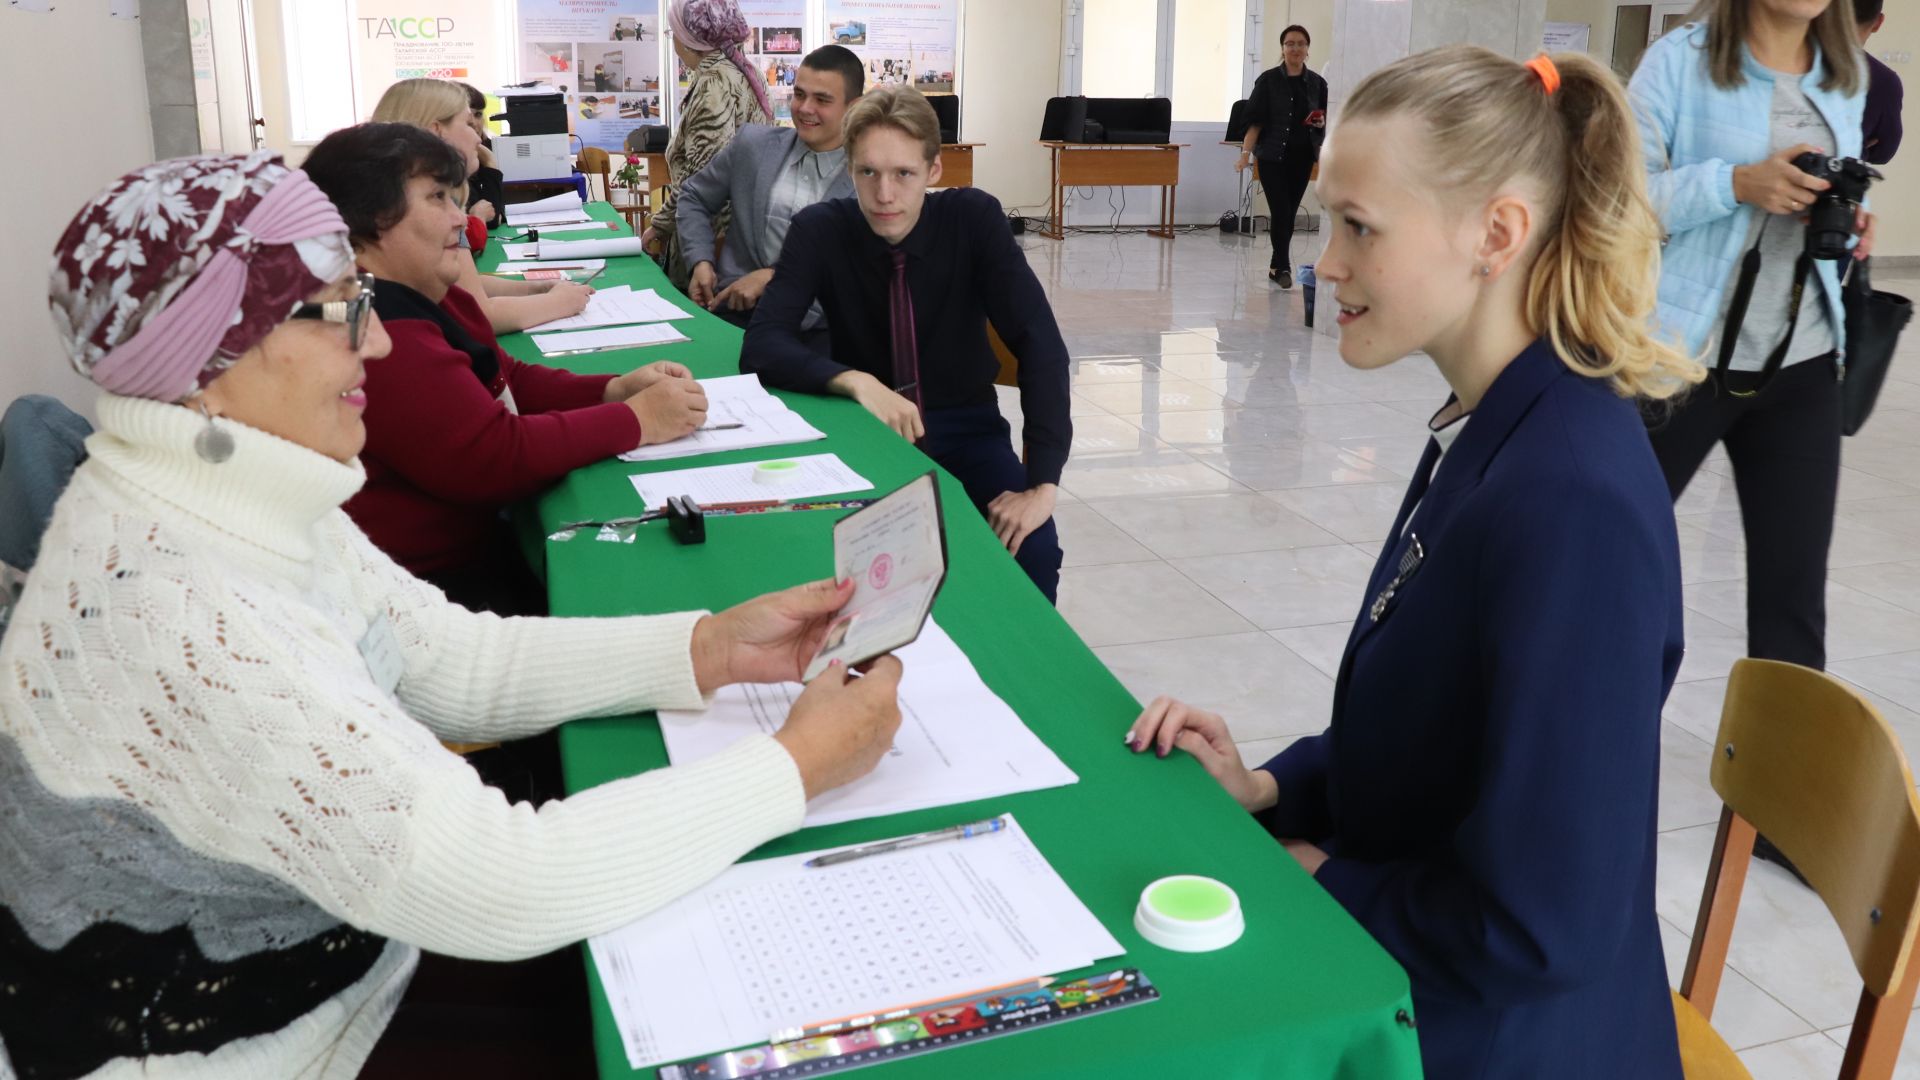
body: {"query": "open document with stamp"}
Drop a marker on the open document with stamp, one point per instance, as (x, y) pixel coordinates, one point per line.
(895, 553)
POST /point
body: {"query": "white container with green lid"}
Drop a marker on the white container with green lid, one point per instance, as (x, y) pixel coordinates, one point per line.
(1189, 913)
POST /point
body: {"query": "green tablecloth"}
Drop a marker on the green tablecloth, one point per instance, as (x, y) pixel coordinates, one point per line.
(1304, 994)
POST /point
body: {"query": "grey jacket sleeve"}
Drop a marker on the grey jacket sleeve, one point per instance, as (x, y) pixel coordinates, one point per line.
(702, 196)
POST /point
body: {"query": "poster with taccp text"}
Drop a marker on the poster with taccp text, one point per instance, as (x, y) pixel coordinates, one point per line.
(452, 39)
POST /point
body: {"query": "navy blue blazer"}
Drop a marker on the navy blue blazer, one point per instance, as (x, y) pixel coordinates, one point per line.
(1487, 788)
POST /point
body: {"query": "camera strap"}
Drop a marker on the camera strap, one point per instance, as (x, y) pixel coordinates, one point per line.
(1737, 314)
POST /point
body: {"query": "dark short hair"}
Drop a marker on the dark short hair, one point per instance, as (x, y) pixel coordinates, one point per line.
(476, 100)
(831, 58)
(364, 169)
(1865, 11)
(1291, 29)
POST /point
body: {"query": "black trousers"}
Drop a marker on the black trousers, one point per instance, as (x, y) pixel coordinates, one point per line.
(1784, 444)
(975, 444)
(1285, 181)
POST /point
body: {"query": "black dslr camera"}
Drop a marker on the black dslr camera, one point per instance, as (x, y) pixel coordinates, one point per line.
(1830, 224)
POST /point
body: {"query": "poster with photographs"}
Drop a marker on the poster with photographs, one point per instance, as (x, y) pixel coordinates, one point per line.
(604, 55)
(902, 42)
(773, 51)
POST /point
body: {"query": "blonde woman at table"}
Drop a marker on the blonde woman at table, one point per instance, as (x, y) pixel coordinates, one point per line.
(724, 94)
(458, 430)
(231, 827)
(1483, 801)
(442, 108)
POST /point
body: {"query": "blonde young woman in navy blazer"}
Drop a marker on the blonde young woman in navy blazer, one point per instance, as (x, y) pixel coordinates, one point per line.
(1483, 802)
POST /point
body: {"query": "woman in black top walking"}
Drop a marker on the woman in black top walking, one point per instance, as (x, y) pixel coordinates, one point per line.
(1287, 119)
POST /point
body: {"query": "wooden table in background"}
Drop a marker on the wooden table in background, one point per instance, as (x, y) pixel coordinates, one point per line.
(956, 164)
(1112, 165)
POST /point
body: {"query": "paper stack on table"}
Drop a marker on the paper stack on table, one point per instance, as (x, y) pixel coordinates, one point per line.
(735, 399)
(957, 742)
(810, 477)
(773, 944)
(618, 337)
(618, 305)
(555, 210)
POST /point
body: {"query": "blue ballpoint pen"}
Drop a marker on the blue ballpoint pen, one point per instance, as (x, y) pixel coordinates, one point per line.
(955, 832)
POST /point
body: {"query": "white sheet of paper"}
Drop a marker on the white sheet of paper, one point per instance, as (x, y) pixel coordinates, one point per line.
(554, 264)
(618, 337)
(735, 399)
(957, 742)
(553, 220)
(589, 249)
(894, 554)
(773, 944)
(520, 252)
(618, 305)
(575, 225)
(817, 475)
(566, 200)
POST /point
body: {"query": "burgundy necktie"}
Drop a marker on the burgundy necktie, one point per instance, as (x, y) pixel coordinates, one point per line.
(906, 354)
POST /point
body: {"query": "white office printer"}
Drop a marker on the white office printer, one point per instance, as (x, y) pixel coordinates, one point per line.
(538, 147)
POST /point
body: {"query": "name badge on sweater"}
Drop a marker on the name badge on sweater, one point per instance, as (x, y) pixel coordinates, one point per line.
(381, 650)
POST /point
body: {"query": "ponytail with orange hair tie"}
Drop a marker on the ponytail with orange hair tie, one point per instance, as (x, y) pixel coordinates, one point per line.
(1542, 66)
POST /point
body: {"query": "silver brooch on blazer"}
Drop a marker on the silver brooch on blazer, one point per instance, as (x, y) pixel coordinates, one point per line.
(1409, 565)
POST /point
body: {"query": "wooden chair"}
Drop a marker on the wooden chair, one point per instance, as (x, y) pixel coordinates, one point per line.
(595, 162)
(1009, 363)
(1807, 761)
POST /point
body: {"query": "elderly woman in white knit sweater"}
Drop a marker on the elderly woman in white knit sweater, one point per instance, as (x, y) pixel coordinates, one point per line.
(227, 825)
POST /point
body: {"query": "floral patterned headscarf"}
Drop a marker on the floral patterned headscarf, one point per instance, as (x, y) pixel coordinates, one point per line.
(175, 270)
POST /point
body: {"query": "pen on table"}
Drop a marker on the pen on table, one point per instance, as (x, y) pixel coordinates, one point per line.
(955, 832)
(860, 1020)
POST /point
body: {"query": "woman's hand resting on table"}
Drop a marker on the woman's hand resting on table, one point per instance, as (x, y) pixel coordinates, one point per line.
(1168, 724)
(842, 723)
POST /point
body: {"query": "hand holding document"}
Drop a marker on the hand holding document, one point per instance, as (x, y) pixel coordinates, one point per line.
(741, 415)
(775, 944)
(895, 553)
(800, 478)
(957, 742)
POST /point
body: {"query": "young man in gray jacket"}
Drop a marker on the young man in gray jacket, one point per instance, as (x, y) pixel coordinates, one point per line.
(769, 174)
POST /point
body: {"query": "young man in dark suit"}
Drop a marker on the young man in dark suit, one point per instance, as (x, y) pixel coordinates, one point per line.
(908, 281)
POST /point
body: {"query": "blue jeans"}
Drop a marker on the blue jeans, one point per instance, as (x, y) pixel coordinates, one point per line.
(974, 443)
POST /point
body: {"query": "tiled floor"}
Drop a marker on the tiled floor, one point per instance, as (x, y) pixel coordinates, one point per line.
(1230, 484)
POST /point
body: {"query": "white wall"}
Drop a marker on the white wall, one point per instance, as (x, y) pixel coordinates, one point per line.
(1597, 14)
(89, 128)
(1010, 67)
(1897, 199)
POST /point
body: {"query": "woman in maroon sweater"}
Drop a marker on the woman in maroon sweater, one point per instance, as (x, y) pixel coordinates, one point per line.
(456, 429)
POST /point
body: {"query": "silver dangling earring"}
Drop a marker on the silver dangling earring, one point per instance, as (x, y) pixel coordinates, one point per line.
(213, 443)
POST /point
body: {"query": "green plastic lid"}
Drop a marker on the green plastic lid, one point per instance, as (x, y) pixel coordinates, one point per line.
(1189, 913)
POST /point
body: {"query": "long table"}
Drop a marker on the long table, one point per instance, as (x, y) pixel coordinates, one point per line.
(1305, 994)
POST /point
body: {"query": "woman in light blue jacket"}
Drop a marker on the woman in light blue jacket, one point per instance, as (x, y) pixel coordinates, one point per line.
(1725, 105)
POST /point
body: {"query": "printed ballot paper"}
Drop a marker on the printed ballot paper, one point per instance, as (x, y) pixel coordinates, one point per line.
(803, 478)
(764, 420)
(957, 741)
(620, 305)
(895, 553)
(774, 944)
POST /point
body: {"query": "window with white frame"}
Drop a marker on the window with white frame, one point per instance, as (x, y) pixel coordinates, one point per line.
(320, 69)
(1192, 51)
